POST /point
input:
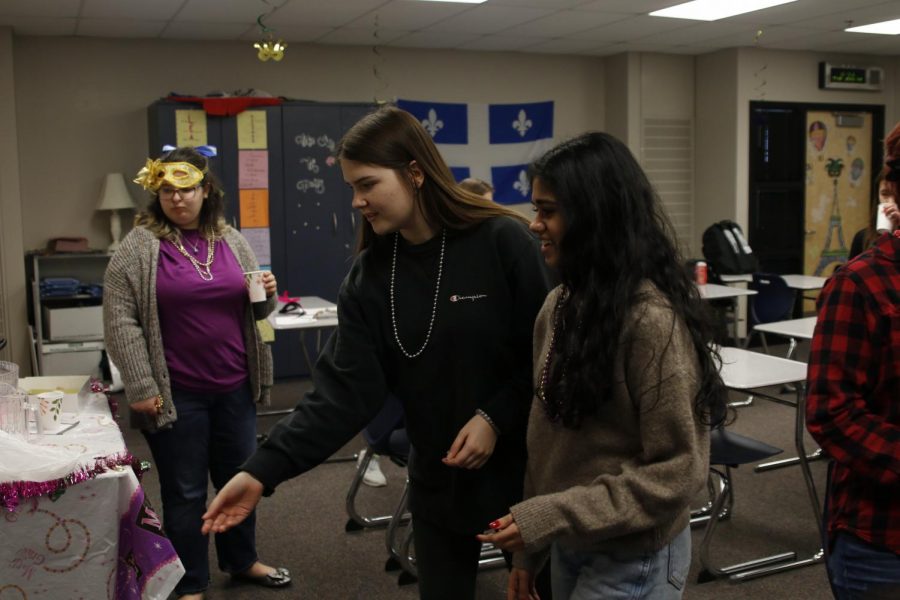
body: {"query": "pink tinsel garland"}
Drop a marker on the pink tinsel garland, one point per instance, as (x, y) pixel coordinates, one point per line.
(13, 491)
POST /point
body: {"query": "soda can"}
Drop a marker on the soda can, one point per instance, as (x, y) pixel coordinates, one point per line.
(700, 272)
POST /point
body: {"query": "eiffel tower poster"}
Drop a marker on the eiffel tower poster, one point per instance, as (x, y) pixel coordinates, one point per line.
(830, 253)
(838, 158)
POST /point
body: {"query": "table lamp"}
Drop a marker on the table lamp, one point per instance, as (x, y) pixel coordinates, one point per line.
(114, 197)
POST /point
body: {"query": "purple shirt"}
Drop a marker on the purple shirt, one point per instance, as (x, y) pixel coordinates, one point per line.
(201, 320)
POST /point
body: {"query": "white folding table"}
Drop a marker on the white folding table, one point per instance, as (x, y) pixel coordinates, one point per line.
(745, 370)
(713, 291)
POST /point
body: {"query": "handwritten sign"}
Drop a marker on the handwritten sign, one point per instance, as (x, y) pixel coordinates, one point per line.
(251, 130)
(253, 169)
(190, 128)
(254, 208)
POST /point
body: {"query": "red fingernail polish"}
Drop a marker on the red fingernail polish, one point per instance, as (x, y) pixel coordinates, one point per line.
(494, 524)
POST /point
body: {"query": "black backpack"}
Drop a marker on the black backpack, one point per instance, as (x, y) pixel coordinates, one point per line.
(726, 250)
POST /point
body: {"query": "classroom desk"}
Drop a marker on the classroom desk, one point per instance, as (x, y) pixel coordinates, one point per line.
(100, 538)
(712, 291)
(793, 329)
(749, 371)
(737, 278)
(804, 282)
(319, 314)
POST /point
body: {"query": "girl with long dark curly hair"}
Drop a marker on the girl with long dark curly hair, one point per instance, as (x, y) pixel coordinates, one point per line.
(627, 387)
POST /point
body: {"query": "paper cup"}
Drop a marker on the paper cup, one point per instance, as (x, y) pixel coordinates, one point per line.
(257, 292)
(255, 285)
(49, 409)
(882, 223)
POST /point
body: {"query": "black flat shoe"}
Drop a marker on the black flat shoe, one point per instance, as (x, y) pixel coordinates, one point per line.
(280, 578)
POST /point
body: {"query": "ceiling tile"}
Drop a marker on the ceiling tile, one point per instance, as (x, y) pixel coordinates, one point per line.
(157, 10)
(40, 26)
(501, 42)
(487, 19)
(39, 8)
(357, 36)
(185, 30)
(410, 15)
(434, 39)
(564, 23)
(319, 12)
(294, 33)
(120, 28)
(630, 28)
(563, 46)
(631, 7)
(551, 4)
(692, 34)
(225, 11)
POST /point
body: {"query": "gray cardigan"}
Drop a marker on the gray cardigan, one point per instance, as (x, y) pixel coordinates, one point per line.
(624, 481)
(132, 329)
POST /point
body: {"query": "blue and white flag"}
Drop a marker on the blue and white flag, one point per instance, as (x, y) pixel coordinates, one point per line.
(493, 142)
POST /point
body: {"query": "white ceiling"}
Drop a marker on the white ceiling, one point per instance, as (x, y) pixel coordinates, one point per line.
(586, 27)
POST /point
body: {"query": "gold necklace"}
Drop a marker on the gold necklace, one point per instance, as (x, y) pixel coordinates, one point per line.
(203, 268)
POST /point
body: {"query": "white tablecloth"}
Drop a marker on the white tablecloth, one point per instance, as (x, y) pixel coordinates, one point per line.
(99, 538)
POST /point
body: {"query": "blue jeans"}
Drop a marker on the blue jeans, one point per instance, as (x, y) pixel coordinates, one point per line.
(659, 575)
(213, 435)
(860, 571)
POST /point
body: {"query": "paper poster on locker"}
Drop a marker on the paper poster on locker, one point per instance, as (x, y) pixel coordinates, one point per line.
(259, 240)
(251, 130)
(190, 128)
(254, 208)
(253, 169)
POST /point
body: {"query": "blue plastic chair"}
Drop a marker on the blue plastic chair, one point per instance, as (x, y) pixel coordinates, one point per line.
(774, 301)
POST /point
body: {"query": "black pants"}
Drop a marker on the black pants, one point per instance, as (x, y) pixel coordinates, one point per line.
(447, 563)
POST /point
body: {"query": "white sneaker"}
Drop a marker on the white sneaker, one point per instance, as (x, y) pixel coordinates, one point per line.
(373, 476)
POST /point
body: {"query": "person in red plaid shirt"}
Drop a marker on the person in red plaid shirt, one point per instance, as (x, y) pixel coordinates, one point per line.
(853, 412)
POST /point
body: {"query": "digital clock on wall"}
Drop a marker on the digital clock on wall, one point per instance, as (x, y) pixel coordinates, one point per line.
(847, 77)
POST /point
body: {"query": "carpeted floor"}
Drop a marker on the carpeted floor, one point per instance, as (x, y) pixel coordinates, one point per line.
(302, 525)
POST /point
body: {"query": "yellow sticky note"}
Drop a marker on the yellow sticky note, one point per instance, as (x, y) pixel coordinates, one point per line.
(254, 208)
(266, 331)
(190, 128)
(251, 130)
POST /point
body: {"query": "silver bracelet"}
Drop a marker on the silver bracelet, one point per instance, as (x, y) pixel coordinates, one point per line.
(489, 420)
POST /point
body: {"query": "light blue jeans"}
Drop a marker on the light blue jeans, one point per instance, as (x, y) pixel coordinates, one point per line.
(659, 575)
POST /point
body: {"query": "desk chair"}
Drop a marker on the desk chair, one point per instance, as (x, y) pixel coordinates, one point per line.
(774, 301)
(385, 435)
(729, 450)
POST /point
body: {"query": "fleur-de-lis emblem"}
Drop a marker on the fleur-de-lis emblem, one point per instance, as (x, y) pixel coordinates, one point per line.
(522, 185)
(522, 124)
(432, 124)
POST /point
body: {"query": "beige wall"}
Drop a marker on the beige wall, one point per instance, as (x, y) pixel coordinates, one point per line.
(80, 109)
(12, 269)
(89, 97)
(77, 110)
(727, 82)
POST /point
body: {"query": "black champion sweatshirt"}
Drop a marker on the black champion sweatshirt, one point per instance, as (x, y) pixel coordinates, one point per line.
(492, 286)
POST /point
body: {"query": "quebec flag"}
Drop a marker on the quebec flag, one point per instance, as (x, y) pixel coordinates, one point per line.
(493, 142)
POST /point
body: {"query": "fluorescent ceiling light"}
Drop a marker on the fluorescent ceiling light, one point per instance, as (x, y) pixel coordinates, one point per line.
(713, 10)
(885, 27)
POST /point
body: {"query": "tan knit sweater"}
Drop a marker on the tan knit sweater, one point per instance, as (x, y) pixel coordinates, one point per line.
(132, 330)
(622, 483)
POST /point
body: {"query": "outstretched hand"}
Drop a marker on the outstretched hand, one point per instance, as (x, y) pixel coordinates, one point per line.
(473, 445)
(232, 504)
(504, 534)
